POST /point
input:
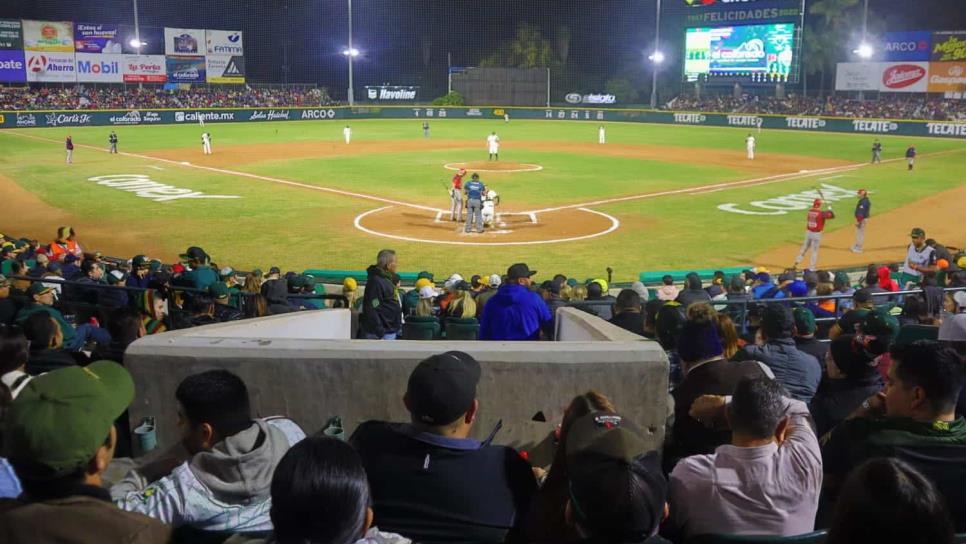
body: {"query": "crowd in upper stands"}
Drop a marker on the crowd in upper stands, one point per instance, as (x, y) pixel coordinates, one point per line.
(925, 107)
(789, 415)
(155, 97)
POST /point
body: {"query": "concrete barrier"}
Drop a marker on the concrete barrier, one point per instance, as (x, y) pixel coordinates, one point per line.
(311, 380)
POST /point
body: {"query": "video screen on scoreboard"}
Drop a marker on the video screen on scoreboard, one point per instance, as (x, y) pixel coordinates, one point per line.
(759, 52)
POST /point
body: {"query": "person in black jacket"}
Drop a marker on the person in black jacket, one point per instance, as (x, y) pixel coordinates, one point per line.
(693, 291)
(851, 378)
(8, 306)
(381, 317)
(46, 341)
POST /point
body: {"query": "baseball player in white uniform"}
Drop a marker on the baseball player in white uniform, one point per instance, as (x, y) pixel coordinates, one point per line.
(750, 146)
(601, 135)
(493, 142)
(206, 143)
(347, 133)
(490, 202)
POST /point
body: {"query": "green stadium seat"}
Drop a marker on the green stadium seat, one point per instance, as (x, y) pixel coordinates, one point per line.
(910, 333)
(462, 328)
(816, 537)
(421, 328)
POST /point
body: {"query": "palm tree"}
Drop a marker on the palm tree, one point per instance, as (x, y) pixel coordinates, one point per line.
(825, 38)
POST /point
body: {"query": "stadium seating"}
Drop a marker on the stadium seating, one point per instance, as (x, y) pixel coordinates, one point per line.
(462, 328)
(816, 537)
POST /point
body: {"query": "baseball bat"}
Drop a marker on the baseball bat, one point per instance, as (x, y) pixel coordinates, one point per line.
(820, 193)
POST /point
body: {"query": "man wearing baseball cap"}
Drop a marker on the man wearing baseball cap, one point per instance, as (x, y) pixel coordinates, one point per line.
(59, 436)
(515, 312)
(862, 213)
(617, 491)
(920, 257)
(429, 480)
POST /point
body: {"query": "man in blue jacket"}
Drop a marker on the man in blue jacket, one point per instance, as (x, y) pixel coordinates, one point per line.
(515, 312)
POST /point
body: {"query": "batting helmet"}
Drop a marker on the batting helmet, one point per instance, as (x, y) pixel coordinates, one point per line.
(817, 203)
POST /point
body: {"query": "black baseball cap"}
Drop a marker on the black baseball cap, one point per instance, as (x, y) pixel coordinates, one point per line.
(519, 270)
(195, 253)
(443, 387)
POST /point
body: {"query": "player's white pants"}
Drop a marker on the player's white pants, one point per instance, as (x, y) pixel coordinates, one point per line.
(601, 139)
(456, 205)
(751, 153)
(812, 240)
(860, 235)
(494, 150)
(474, 215)
(70, 156)
(489, 213)
(206, 147)
(348, 137)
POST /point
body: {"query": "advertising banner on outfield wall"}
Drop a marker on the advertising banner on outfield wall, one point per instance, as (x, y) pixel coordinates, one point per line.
(50, 67)
(224, 42)
(144, 69)
(888, 77)
(13, 67)
(902, 46)
(95, 38)
(948, 46)
(11, 35)
(184, 41)
(947, 77)
(51, 36)
(225, 70)
(99, 68)
(856, 76)
(185, 69)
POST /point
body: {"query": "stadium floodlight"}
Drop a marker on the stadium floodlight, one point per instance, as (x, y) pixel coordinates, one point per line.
(656, 57)
(136, 43)
(864, 50)
(350, 52)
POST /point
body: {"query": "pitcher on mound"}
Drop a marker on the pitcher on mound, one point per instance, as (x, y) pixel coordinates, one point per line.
(493, 143)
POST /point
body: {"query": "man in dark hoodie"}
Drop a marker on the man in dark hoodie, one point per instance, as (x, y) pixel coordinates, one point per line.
(381, 317)
(226, 483)
(693, 292)
(514, 312)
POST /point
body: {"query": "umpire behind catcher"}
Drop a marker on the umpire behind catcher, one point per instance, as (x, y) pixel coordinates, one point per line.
(474, 203)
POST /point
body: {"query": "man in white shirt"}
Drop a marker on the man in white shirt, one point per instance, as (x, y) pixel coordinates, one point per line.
(750, 146)
(920, 257)
(767, 481)
(601, 137)
(347, 133)
(493, 143)
(206, 143)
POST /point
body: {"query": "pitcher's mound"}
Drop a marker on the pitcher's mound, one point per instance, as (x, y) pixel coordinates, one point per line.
(493, 166)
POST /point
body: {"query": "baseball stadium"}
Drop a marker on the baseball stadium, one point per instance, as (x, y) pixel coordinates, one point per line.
(639, 187)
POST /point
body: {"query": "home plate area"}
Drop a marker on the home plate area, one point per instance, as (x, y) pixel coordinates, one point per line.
(510, 228)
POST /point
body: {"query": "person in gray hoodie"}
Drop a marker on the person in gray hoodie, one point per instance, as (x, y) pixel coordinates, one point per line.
(225, 484)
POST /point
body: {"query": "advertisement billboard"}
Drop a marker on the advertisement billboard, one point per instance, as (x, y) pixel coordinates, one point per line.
(144, 69)
(184, 41)
(50, 67)
(224, 42)
(99, 67)
(91, 38)
(223, 69)
(948, 46)
(902, 46)
(857, 76)
(11, 35)
(185, 69)
(764, 52)
(13, 67)
(887, 77)
(391, 93)
(947, 77)
(52, 36)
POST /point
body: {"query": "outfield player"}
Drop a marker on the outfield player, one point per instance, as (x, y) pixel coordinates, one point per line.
(425, 129)
(112, 139)
(69, 146)
(490, 201)
(347, 133)
(920, 257)
(601, 135)
(750, 146)
(493, 143)
(862, 209)
(813, 234)
(474, 203)
(876, 151)
(911, 156)
(206, 143)
(456, 196)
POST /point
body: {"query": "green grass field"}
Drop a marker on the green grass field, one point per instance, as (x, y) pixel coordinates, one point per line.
(296, 227)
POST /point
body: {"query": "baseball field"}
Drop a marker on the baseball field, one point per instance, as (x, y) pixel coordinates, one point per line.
(654, 197)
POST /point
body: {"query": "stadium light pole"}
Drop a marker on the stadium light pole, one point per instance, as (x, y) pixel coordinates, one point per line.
(865, 50)
(657, 57)
(137, 35)
(350, 53)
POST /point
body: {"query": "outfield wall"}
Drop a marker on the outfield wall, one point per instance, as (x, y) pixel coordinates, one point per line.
(74, 118)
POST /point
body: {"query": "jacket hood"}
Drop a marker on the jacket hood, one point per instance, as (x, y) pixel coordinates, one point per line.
(238, 470)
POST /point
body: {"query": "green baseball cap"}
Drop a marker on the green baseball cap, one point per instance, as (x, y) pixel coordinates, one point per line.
(218, 290)
(61, 418)
(37, 288)
(917, 232)
(804, 320)
(140, 261)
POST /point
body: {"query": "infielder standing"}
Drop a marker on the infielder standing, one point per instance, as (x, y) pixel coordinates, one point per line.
(876, 151)
(425, 129)
(493, 142)
(862, 208)
(601, 136)
(911, 156)
(456, 196)
(112, 139)
(347, 134)
(206, 143)
(750, 146)
(474, 203)
(813, 235)
(69, 145)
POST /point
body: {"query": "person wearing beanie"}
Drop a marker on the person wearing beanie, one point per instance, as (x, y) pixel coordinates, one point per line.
(805, 340)
(766, 481)
(706, 372)
(852, 377)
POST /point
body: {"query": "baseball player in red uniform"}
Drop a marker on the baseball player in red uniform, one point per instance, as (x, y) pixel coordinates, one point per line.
(813, 234)
(456, 196)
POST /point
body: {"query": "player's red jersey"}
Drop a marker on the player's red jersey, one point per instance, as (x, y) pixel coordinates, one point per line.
(458, 182)
(817, 218)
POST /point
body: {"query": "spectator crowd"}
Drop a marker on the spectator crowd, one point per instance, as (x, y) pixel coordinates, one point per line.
(924, 107)
(796, 403)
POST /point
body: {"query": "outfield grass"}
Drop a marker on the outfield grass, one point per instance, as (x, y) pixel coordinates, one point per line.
(300, 228)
